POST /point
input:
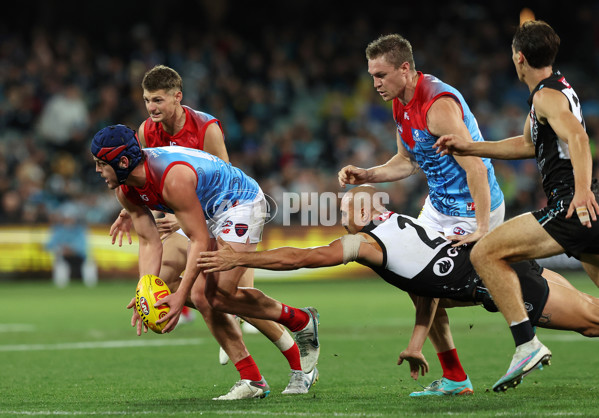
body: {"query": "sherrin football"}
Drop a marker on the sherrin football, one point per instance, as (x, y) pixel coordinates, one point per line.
(150, 289)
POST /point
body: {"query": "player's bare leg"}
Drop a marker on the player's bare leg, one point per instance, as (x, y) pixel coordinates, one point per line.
(227, 333)
(174, 258)
(271, 330)
(303, 373)
(224, 294)
(520, 238)
(567, 308)
(590, 263)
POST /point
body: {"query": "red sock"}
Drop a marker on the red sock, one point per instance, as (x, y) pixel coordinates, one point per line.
(293, 357)
(293, 318)
(248, 369)
(452, 368)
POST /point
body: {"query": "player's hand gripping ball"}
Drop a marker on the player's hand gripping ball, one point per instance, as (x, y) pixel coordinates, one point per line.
(150, 289)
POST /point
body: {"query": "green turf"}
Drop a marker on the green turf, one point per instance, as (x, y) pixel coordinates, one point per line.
(365, 324)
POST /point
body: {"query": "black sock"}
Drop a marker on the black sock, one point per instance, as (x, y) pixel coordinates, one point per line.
(522, 332)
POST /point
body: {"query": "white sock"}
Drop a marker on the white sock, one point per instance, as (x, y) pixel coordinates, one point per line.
(285, 342)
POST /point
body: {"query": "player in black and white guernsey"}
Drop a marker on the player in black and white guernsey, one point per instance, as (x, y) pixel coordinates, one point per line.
(413, 257)
(554, 133)
(419, 260)
(551, 152)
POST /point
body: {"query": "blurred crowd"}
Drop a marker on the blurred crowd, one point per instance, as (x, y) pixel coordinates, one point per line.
(295, 99)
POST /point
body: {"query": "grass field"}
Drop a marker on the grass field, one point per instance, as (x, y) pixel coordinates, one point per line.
(72, 352)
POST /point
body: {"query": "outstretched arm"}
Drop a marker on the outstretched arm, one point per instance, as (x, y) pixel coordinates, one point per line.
(366, 252)
(284, 258)
(425, 313)
(398, 167)
(514, 148)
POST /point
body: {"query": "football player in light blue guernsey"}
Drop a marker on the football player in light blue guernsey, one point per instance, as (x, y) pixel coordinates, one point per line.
(410, 255)
(210, 198)
(464, 200)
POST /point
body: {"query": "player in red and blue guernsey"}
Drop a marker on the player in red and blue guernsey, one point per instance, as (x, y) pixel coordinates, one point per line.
(210, 199)
(172, 124)
(449, 193)
(464, 200)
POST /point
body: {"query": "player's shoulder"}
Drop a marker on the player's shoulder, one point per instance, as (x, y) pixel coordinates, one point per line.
(547, 99)
(198, 115)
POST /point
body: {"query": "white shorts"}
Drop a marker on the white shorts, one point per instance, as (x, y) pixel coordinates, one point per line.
(456, 225)
(242, 223)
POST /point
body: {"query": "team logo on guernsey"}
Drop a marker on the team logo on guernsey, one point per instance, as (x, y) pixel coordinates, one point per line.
(241, 229)
(443, 266)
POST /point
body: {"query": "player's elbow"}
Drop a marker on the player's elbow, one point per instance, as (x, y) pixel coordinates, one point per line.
(476, 168)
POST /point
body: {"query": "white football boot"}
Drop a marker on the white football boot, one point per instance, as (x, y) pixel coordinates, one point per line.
(246, 389)
(529, 357)
(300, 382)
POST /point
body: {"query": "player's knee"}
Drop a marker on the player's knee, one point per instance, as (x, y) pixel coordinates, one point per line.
(198, 298)
(477, 256)
(202, 305)
(218, 301)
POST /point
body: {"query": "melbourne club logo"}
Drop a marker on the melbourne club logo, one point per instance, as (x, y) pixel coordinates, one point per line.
(443, 266)
(241, 229)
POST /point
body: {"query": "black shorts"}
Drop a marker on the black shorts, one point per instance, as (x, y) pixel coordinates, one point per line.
(535, 290)
(575, 238)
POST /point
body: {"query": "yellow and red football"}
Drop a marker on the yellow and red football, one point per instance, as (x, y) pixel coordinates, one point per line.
(150, 289)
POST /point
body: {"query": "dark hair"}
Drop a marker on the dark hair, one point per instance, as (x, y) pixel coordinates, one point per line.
(538, 42)
(395, 48)
(162, 77)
